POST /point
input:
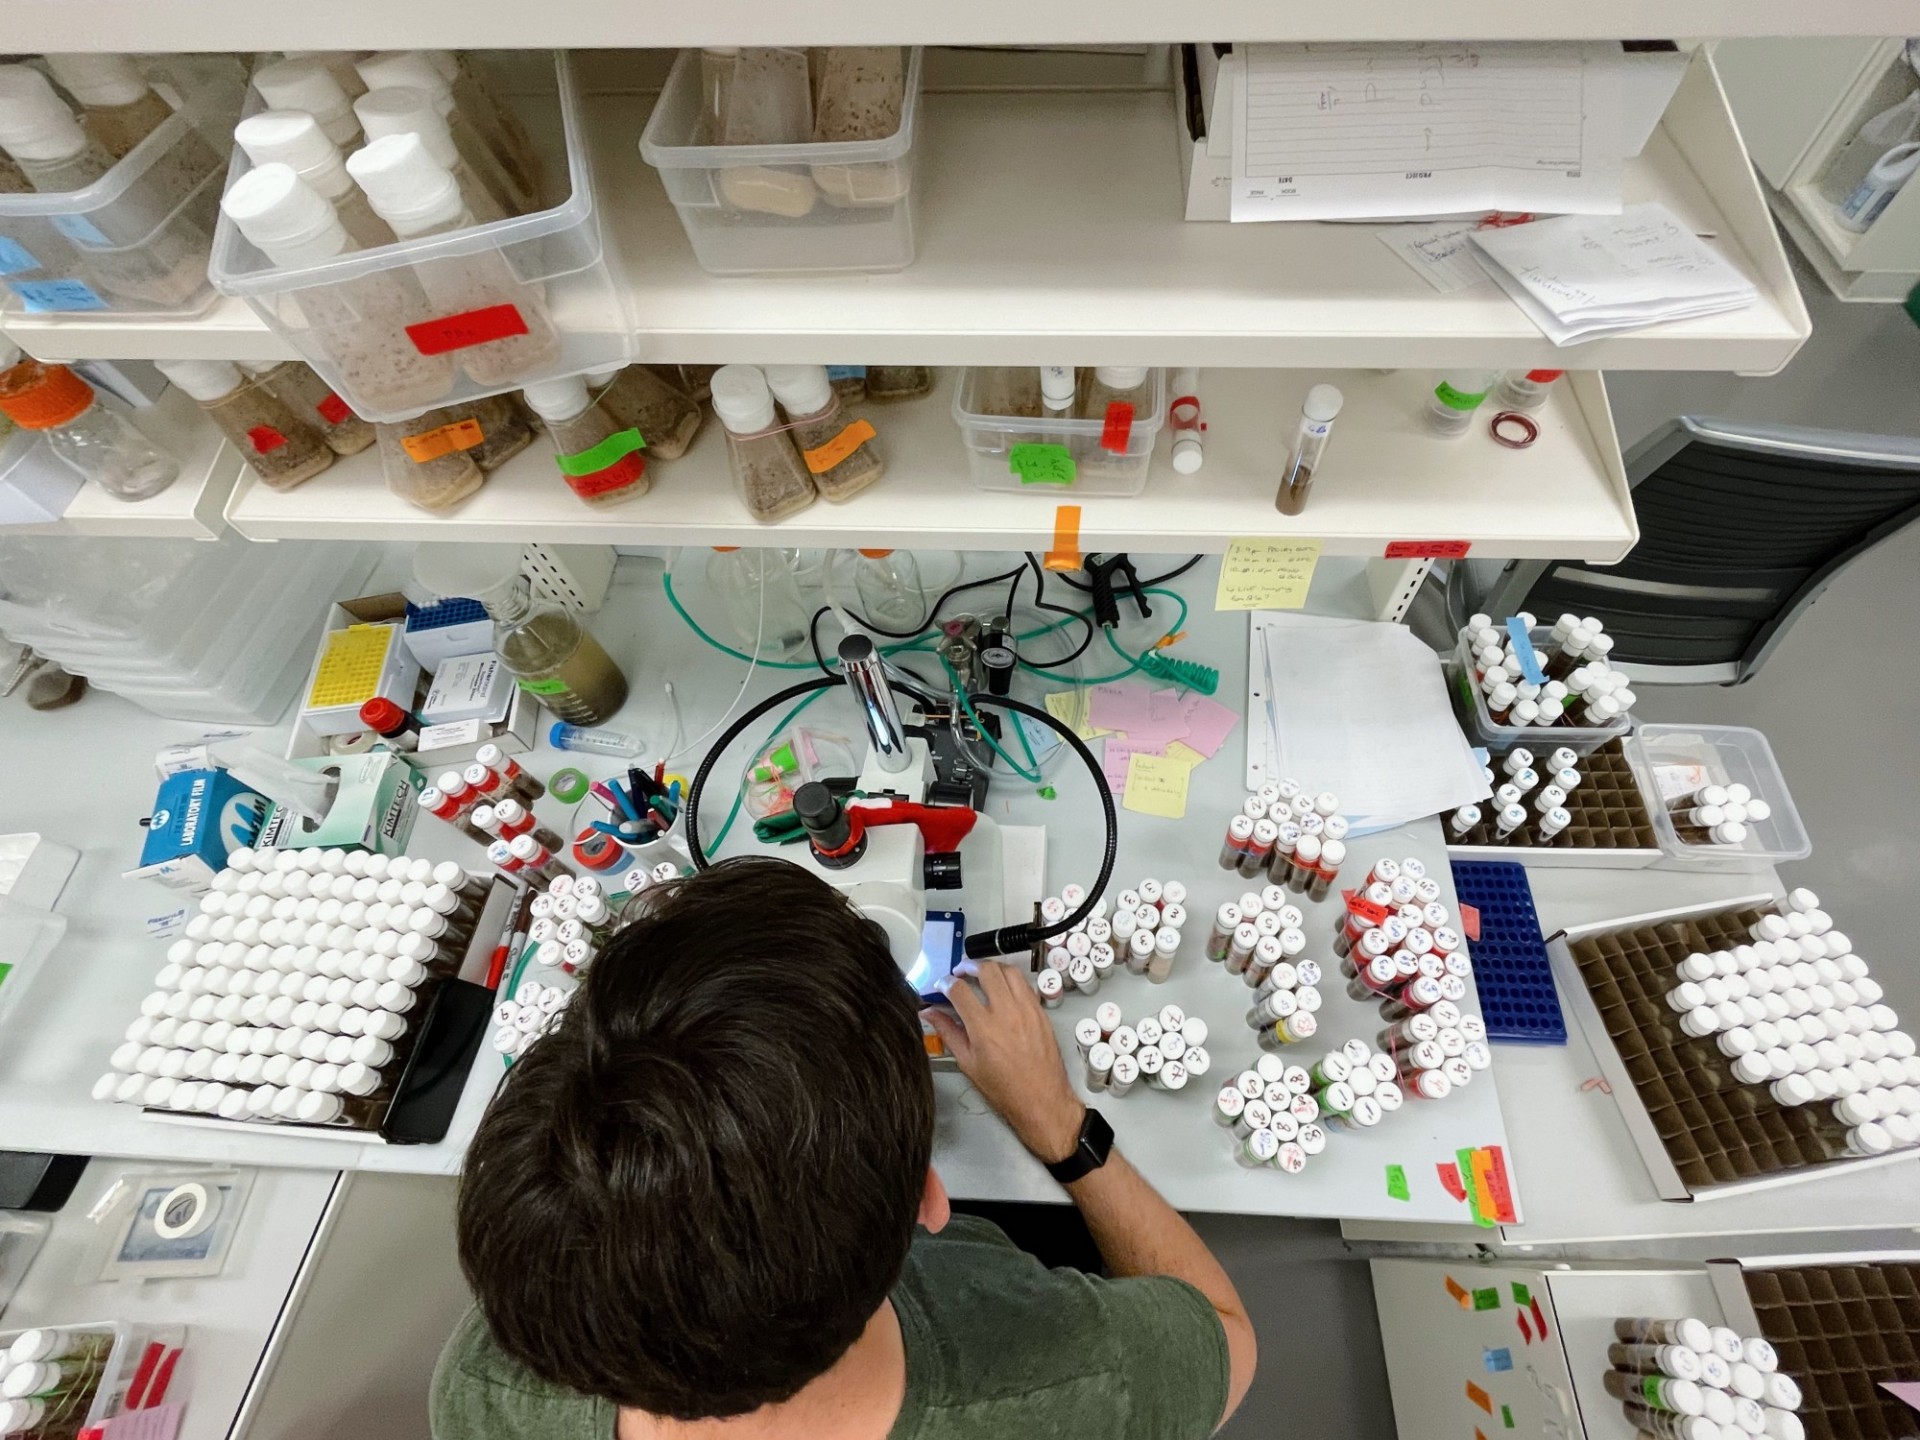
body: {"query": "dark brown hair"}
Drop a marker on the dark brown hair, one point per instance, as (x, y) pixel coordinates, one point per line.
(692, 1196)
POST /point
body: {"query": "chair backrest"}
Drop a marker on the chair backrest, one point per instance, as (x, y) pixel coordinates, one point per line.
(1741, 527)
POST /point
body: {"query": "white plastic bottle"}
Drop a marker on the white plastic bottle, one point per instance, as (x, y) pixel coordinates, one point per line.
(308, 85)
(404, 110)
(294, 138)
(1884, 181)
(489, 135)
(767, 470)
(1456, 398)
(418, 196)
(358, 322)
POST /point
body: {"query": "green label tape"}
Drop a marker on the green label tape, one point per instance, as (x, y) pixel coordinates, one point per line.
(1487, 1299)
(1039, 464)
(1521, 1295)
(1459, 399)
(1397, 1188)
(544, 687)
(609, 451)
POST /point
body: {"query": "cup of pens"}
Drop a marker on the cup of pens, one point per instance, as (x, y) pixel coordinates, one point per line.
(623, 817)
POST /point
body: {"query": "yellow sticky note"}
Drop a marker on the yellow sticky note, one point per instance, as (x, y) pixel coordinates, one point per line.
(1072, 708)
(1185, 754)
(1157, 785)
(1262, 574)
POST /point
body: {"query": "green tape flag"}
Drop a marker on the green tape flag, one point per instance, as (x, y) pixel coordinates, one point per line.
(608, 452)
(1397, 1183)
(1481, 1215)
(1040, 464)
(1487, 1299)
(1521, 1295)
(1506, 1416)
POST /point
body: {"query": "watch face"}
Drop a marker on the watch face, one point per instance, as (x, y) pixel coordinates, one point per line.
(1096, 1139)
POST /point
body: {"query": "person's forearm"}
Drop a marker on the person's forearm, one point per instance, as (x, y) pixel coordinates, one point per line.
(1141, 1234)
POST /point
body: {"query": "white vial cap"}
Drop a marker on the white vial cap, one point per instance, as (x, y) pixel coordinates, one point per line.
(206, 380)
(1323, 403)
(416, 69)
(406, 110)
(35, 123)
(308, 85)
(742, 399)
(105, 79)
(294, 138)
(800, 389)
(1120, 377)
(290, 221)
(407, 187)
(558, 400)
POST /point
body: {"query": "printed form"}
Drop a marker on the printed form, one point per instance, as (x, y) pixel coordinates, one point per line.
(1350, 131)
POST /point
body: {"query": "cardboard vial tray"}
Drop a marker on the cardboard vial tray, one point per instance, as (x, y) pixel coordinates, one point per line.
(1703, 1134)
(1612, 827)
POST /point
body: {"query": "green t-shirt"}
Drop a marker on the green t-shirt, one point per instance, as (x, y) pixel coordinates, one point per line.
(997, 1345)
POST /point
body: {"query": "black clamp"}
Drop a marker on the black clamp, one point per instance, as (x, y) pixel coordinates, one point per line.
(1106, 604)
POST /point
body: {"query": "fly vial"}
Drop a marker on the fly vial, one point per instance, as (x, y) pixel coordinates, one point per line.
(1508, 821)
(1141, 951)
(1241, 947)
(1166, 946)
(1226, 920)
(1254, 859)
(1052, 987)
(1233, 852)
(1123, 1075)
(1098, 1065)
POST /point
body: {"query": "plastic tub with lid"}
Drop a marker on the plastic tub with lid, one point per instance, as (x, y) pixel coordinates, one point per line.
(1470, 704)
(1673, 761)
(1032, 455)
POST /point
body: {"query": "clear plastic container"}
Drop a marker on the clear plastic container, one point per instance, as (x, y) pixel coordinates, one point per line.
(334, 309)
(114, 1367)
(1074, 458)
(1674, 760)
(1470, 704)
(784, 209)
(135, 240)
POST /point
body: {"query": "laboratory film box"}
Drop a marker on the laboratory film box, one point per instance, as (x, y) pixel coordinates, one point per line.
(199, 817)
(457, 744)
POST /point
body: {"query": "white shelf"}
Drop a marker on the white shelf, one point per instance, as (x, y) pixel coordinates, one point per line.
(1050, 228)
(1385, 478)
(191, 508)
(226, 330)
(374, 24)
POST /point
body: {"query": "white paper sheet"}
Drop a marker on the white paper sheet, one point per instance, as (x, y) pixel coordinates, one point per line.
(1345, 131)
(1360, 708)
(1442, 254)
(1582, 276)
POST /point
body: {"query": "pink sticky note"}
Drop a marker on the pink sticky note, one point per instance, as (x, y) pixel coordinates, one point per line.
(161, 1422)
(1906, 1391)
(1122, 706)
(1208, 723)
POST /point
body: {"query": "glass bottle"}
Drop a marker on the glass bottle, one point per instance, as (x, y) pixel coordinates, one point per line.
(1525, 389)
(282, 448)
(100, 444)
(417, 196)
(404, 110)
(599, 473)
(1114, 385)
(639, 397)
(842, 456)
(424, 461)
(898, 382)
(293, 137)
(761, 596)
(296, 382)
(890, 590)
(1317, 415)
(1452, 404)
(772, 479)
(542, 642)
(359, 323)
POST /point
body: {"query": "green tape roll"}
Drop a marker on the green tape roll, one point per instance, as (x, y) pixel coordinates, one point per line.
(569, 785)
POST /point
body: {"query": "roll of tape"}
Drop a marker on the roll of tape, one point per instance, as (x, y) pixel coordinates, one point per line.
(185, 1210)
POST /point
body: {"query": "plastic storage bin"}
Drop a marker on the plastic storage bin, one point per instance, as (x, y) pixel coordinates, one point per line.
(1082, 465)
(135, 1373)
(862, 212)
(343, 315)
(1673, 760)
(137, 239)
(1470, 703)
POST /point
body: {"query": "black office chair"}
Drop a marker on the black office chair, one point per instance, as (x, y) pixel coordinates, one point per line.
(1742, 526)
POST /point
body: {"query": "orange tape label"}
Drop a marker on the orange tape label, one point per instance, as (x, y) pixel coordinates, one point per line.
(823, 458)
(1065, 554)
(1479, 1397)
(432, 444)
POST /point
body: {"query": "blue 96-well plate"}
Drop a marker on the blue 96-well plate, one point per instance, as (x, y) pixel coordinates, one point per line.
(1510, 968)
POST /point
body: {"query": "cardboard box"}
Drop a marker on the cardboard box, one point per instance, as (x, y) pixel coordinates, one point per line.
(199, 818)
(36, 486)
(374, 808)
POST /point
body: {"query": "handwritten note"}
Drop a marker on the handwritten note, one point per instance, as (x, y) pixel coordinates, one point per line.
(1041, 464)
(1185, 754)
(1442, 254)
(1070, 708)
(1157, 785)
(1262, 574)
(1208, 724)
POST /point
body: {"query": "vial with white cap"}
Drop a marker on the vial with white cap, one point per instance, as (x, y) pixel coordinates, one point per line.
(282, 448)
(417, 195)
(488, 133)
(409, 110)
(295, 138)
(1317, 414)
(1185, 423)
(841, 462)
(307, 84)
(772, 479)
(580, 427)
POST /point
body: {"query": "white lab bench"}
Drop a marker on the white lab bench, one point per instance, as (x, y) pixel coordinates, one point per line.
(304, 1332)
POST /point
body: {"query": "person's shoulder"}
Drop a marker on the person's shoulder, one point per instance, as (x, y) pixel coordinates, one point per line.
(480, 1393)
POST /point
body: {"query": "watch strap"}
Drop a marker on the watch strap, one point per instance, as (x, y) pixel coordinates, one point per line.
(1090, 1151)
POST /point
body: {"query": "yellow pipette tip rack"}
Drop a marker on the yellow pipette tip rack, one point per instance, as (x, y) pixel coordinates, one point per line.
(351, 666)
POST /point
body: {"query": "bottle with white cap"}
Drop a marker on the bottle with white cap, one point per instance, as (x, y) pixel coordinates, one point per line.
(359, 323)
(120, 109)
(307, 84)
(1317, 414)
(417, 195)
(283, 449)
(488, 133)
(1184, 420)
(843, 455)
(600, 461)
(294, 138)
(772, 479)
(297, 384)
(407, 110)
(652, 400)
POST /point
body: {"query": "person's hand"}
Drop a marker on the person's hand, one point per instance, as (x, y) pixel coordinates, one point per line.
(1004, 1044)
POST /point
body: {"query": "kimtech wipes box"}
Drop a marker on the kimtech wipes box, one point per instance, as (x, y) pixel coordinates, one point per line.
(374, 805)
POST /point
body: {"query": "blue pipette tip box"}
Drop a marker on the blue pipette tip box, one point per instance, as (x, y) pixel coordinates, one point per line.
(1510, 967)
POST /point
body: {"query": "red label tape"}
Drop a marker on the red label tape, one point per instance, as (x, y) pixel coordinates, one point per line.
(1358, 904)
(1428, 549)
(1113, 436)
(469, 328)
(333, 409)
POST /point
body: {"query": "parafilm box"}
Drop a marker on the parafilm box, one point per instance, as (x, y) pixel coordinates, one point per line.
(199, 818)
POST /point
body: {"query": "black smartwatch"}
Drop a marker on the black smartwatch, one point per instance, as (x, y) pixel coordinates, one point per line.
(1089, 1152)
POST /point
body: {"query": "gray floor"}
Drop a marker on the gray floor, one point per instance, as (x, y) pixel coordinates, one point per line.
(1843, 724)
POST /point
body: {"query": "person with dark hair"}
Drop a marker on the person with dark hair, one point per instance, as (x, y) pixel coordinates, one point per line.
(704, 1206)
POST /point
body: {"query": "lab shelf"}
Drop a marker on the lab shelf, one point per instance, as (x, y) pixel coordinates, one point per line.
(374, 24)
(191, 508)
(1385, 479)
(1051, 229)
